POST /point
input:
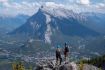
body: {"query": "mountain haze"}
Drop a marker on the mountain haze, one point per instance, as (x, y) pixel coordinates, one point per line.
(9, 23)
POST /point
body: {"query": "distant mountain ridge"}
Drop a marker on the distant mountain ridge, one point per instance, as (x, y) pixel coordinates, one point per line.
(95, 21)
(8, 23)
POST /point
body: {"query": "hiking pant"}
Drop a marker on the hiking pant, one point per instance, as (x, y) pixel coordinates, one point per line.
(58, 57)
(66, 54)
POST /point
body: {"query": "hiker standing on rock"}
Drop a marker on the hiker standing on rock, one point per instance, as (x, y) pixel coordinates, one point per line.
(58, 55)
(66, 52)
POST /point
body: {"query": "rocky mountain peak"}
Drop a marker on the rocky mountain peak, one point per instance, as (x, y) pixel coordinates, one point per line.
(50, 65)
(48, 21)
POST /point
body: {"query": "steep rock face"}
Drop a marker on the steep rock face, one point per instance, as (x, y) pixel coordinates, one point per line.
(49, 21)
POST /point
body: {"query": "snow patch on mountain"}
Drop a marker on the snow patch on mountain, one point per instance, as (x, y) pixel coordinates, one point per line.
(35, 25)
(57, 11)
(48, 32)
(62, 12)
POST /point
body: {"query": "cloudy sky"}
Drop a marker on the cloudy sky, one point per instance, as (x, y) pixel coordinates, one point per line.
(29, 7)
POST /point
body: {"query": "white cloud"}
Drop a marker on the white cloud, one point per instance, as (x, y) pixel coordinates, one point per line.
(52, 4)
(3, 0)
(85, 2)
(30, 8)
(6, 4)
(15, 8)
(100, 7)
(101, 4)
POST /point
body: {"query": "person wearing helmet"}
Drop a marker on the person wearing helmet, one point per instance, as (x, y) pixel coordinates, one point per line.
(58, 55)
(66, 52)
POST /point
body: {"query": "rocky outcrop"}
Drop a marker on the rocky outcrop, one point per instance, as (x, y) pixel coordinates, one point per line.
(90, 67)
(51, 65)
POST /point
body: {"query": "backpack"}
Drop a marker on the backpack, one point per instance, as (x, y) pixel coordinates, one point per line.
(66, 49)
